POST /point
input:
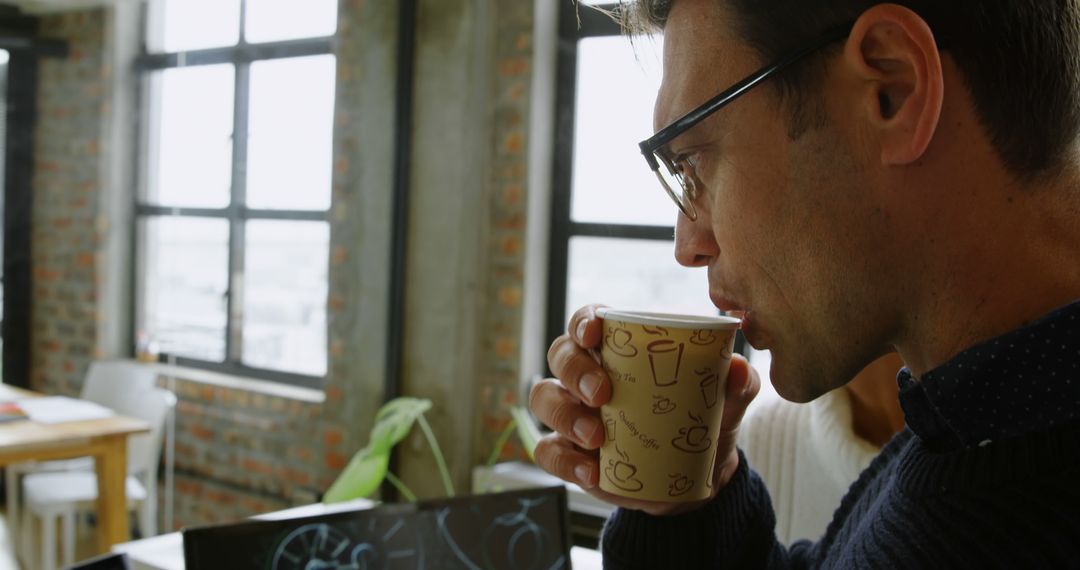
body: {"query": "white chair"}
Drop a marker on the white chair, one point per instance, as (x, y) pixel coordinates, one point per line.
(53, 496)
(106, 382)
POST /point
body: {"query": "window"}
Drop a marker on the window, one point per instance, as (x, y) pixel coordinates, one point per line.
(612, 227)
(234, 186)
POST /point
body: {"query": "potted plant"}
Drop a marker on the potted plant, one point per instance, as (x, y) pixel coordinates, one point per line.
(394, 421)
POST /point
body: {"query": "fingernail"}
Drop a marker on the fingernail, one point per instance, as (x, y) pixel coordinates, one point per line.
(581, 329)
(590, 384)
(584, 428)
(584, 475)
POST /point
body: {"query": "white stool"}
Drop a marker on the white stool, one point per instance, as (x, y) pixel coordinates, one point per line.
(59, 496)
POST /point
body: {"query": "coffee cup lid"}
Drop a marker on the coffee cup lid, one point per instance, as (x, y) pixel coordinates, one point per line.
(712, 322)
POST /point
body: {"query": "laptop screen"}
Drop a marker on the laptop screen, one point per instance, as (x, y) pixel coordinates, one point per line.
(514, 530)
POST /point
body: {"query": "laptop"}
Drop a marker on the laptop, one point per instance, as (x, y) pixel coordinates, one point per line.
(526, 529)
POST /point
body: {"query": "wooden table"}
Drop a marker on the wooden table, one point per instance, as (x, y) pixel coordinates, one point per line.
(104, 439)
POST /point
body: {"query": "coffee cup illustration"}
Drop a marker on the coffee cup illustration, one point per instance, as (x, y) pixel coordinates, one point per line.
(680, 484)
(621, 472)
(727, 348)
(693, 438)
(703, 337)
(665, 359)
(656, 331)
(618, 340)
(710, 386)
(663, 405)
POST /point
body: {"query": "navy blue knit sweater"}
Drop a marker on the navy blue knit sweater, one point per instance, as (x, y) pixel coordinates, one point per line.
(986, 475)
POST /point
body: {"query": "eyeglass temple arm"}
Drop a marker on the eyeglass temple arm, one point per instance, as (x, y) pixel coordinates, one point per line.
(668, 133)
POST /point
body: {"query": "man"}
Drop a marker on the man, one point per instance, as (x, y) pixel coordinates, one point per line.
(893, 177)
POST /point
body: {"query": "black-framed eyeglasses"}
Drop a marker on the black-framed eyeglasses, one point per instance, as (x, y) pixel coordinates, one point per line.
(678, 176)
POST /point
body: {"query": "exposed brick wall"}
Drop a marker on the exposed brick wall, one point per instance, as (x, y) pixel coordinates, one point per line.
(237, 452)
(501, 357)
(240, 452)
(205, 501)
(359, 231)
(247, 439)
(67, 177)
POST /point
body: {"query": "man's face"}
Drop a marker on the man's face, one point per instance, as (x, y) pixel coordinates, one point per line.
(783, 224)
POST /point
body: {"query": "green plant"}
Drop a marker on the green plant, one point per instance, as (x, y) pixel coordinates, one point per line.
(368, 468)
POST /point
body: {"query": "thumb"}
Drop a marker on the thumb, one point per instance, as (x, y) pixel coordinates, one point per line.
(742, 387)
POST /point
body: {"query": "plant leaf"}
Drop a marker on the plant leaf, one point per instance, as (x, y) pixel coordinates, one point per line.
(527, 431)
(364, 473)
(500, 443)
(395, 420)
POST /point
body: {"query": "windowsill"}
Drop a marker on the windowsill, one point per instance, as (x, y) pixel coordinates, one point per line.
(242, 383)
(518, 475)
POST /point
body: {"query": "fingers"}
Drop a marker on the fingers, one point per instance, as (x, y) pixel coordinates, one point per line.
(572, 359)
(585, 328)
(564, 405)
(558, 456)
(561, 411)
(743, 384)
(579, 372)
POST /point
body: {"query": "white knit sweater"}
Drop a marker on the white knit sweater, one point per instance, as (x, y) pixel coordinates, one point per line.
(808, 455)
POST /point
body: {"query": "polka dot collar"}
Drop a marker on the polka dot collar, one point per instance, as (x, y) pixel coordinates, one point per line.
(1024, 381)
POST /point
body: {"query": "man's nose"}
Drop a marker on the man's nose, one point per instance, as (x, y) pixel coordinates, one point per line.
(695, 244)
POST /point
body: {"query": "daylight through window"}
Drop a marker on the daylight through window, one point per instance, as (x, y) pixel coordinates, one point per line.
(235, 174)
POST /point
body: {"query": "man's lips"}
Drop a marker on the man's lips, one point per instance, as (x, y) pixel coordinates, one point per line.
(750, 332)
(727, 305)
(736, 313)
(736, 309)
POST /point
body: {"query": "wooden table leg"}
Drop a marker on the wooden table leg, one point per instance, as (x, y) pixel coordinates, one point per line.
(111, 468)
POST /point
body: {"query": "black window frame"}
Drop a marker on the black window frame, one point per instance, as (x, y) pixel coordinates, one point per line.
(577, 22)
(20, 37)
(241, 55)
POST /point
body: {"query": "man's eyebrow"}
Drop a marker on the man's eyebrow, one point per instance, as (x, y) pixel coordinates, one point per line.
(692, 137)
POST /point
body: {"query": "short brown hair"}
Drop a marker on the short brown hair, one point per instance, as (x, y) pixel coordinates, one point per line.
(1020, 60)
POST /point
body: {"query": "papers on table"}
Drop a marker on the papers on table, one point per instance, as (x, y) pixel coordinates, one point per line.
(11, 411)
(60, 409)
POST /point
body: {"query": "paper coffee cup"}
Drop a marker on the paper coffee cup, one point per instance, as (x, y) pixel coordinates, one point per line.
(668, 374)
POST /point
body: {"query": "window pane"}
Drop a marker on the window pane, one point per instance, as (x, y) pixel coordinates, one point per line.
(275, 20)
(191, 122)
(186, 267)
(634, 273)
(292, 108)
(4, 58)
(182, 25)
(616, 88)
(285, 277)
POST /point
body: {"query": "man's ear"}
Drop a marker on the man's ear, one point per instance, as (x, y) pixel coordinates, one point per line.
(893, 53)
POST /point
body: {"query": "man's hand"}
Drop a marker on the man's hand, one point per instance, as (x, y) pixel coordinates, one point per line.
(571, 407)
